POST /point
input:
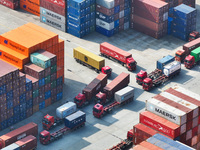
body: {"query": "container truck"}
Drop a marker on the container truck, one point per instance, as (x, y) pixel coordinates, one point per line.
(194, 35)
(91, 90)
(121, 56)
(109, 90)
(187, 48)
(72, 122)
(157, 72)
(27, 143)
(169, 71)
(49, 122)
(122, 97)
(17, 134)
(91, 60)
(124, 144)
(192, 59)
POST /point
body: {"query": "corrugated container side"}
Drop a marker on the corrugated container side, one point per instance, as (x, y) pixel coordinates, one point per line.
(150, 146)
(124, 94)
(29, 142)
(65, 110)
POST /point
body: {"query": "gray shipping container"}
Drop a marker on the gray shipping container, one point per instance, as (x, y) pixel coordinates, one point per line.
(48, 13)
(106, 3)
(124, 94)
(65, 110)
(54, 23)
(13, 146)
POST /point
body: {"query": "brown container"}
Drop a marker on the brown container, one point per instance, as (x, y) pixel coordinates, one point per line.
(15, 101)
(105, 10)
(115, 85)
(35, 108)
(41, 90)
(13, 136)
(29, 95)
(15, 83)
(47, 87)
(95, 86)
(35, 83)
(47, 72)
(22, 89)
(139, 147)
(35, 101)
(34, 70)
(22, 79)
(47, 102)
(53, 76)
(9, 87)
(137, 140)
(52, 57)
(2, 98)
(53, 99)
(188, 47)
(149, 24)
(55, 8)
(54, 92)
(27, 143)
(150, 146)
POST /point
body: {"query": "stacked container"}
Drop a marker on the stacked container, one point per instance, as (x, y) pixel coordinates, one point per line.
(53, 13)
(13, 4)
(150, 17)
(112, 16)
(32, 6)
(80, 17)
(184, 21)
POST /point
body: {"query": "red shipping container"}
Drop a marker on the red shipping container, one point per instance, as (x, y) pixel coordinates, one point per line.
(139, 147)
(27, 143)
(9, 4)
(150, 146)
(188, 142)
(60, 3)
(188, 135)
(137, 140)
(194, 131)
(160, 124)
(105, 10)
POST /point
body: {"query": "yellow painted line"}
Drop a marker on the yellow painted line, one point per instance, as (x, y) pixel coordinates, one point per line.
(6, 26)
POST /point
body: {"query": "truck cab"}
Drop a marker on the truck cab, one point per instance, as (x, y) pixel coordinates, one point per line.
(147, 84)
(45, 137)
(141, 76)
(180, 55)
(106, 70)
(79, 100)
(189, 61)
(193, 35)
(98, 110)
(47, 122)
(100, 98)
(131, 64)
(130, 135)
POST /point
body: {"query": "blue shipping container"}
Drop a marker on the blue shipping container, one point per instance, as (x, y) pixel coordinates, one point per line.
(22, 116)
(104, 17)
(76, 12)
(182, 29)
(77, 19)
(75, 32)
(41, 105)
(9, 96)
(185, 22)
(2, 89)
(164, 61)
(76, 26)
(10, 121)
(105, 32)
(116, 9)
(28, 84)
(183, 11)
(78, 4)
(169, 28)
(75, 119)
(87, 10)
(127, 11)
(16, 110)
(22, 98)
(59, 96)
(22, 108)
(29, 104)
(48, 94)
(9, 104)
(180, 35)
(4, 124)
(87, 3)
(16, 118)
(41, 82)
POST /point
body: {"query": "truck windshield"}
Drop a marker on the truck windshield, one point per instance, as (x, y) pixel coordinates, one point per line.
(107, 71)
(146, 84)
(138, 77)
(96, 110)
(192, 37)
(76, 101)
(187, 61)
(43, 137)
(177, 55)
(45, 121)
(132, 63)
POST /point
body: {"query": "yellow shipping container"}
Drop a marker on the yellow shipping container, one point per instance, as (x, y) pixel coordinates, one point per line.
(89, 58)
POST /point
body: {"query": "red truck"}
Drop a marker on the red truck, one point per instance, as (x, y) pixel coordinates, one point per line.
(109, 90)
(187, 48)
(124, 144)
(194, 35)
(121, 56)
(91, 90)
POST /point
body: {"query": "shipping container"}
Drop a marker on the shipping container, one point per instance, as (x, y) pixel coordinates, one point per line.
(104, 10)
(172, 68)
(124, 94)
(12, 146)
(52, 57)
(34, 70)
(150, 146)
(40, 60)
(106, 3)
(9, 4)
(164, 61)
(188, 47)
(139, 147)
(196, 54)
(27, 143)
(66, 110)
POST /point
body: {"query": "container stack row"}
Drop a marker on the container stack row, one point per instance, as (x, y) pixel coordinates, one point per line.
(112, 16)
(54, 13)
(150, 17)
(184, 21)
(12, 4)
(32, 6)
(173, 113)
(80, 17)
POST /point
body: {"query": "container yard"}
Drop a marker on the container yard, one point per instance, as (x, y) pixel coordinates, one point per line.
(39, 76)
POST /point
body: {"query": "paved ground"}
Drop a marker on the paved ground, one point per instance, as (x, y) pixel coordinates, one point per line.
(102, 133)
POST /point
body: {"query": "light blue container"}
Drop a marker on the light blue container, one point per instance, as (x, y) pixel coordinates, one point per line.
(40, 60)
(164, 61)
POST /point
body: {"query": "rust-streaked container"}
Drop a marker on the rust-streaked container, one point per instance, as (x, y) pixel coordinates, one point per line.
(160, 124)
(150, 146)
(15, 135)
(27, 143)
(34, 70)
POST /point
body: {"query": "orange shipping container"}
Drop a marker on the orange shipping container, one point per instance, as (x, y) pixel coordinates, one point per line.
(35, 2)
(30, 8)
(150, 146)
(13, 57)
(61, 44)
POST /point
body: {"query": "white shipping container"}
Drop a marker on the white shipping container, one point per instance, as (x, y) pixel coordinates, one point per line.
(65, 110)
(124, 94)
(171, 68)
(165, 16)
(180, 101)
(13, 146)
(105, 25)
(106, 3)
(121, 14)
(166, 111)
(126, 25)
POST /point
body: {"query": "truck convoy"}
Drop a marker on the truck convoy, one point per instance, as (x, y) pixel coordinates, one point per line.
(124, 144)
(17, 134)
(166, 69)
(192, 59)
(109, 90)
(91, 90)
(121, 56)
(187, 48)
(91, 60)
(122, 97)
(49, 122)
(72, 122)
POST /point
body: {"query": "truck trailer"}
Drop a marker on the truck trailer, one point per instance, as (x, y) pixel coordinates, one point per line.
(109, 90)
(121, 56)
(91, 60)
(192, 59)
(91, 90)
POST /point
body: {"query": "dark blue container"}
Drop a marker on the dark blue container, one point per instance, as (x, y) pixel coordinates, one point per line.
(87, 17)
(116, 23)
(171, 10)
(127, 11)
(126, 18)
(22, 116)
(76, 12)
(75, 119)
(116, 9)
(41, 82)
(28, 84)
(169, 28)
(59, 96)
(126, 4)
(87, 24)
(87, 3)
(182, 29)
(59, 81)
(104, 17)
(87, 10)
(16, 110)
(78, 4)
(92, 22)
(22, 98)
(41, 105)
(4, 125)
(10, 121)
(75, 32)
(76, 26)
(9, 96)
(48, 94)
(9, 104)
(22, 108)
(2, 89)
(185, 12)
(105, 32)
(185, 22)
(16, 118)
(180, 35)
(116, 30)
(76, 19)
(29, 104)
(87, 31)
(92, 2)
(92, 15)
